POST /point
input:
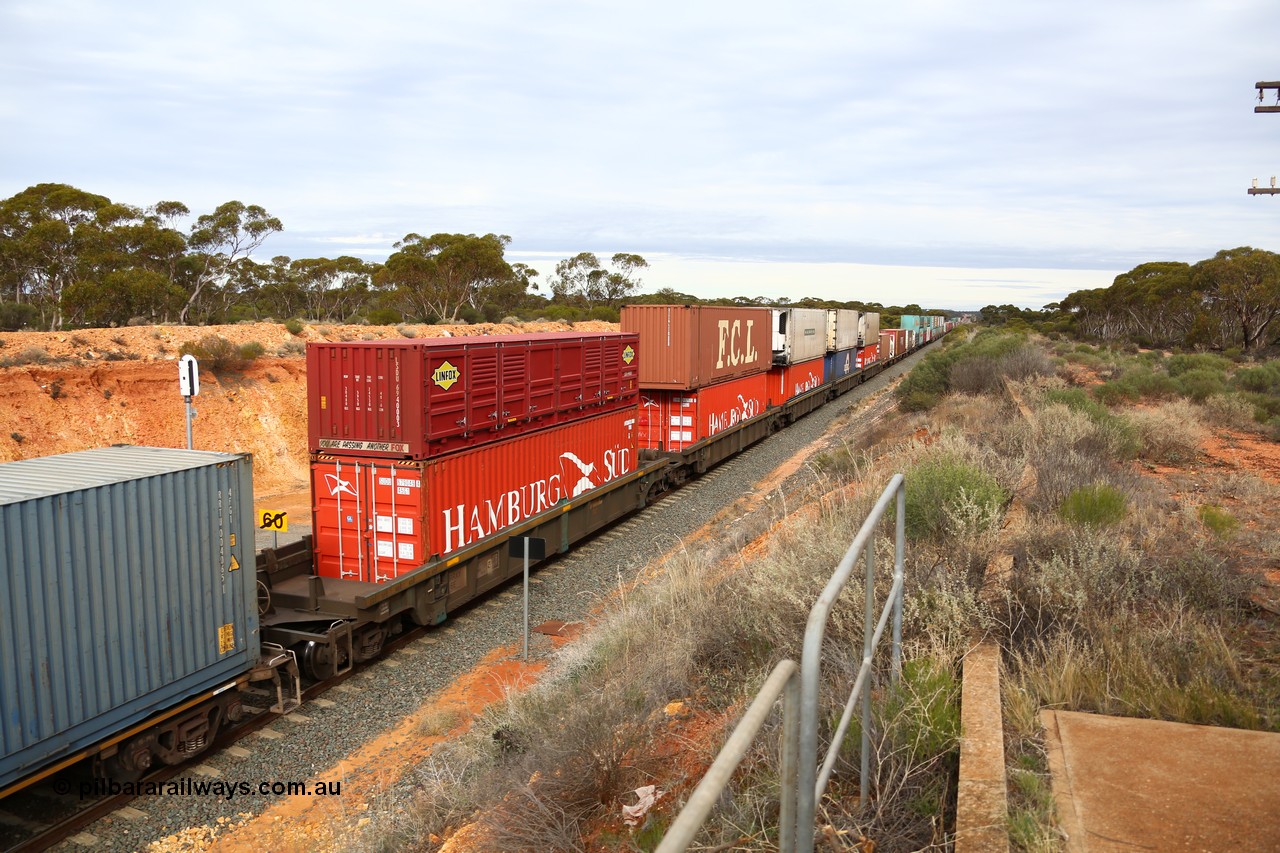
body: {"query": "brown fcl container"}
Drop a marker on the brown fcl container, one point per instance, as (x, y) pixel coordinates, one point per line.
(414, 399)
(377, 519)
(692, 346)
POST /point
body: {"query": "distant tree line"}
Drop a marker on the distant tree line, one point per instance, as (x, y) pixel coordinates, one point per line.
(71, 258)
(1231, 300)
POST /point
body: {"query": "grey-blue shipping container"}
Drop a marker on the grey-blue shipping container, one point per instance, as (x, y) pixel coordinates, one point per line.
(127, 584)
(838, 365)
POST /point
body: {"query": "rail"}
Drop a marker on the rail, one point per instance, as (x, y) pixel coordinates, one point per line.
(802, 781)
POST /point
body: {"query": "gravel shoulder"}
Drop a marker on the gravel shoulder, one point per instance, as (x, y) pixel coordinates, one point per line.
(567, 590)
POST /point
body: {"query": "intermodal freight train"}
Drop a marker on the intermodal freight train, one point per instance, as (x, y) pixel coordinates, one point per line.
(133, 610)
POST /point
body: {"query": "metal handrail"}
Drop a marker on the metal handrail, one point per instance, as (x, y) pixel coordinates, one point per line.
(801, 785)
(703, 799)
(810, 785)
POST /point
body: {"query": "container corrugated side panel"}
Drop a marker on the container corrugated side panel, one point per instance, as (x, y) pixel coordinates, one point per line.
(674, 420)
(846, 336)
(685, 347)
(447, 502)
(792, 380)
(806, 334)
(115, 598)
(417, 399)
(367, 396)
(838, 365)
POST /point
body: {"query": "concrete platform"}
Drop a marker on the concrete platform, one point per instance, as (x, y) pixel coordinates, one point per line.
(1126, 784)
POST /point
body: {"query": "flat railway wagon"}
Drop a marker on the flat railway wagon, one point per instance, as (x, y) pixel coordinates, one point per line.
(128, 607)
(332, 621)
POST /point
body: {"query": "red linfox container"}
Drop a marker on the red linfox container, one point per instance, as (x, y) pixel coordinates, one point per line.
(674, 420)
(375, 520)
(692, 346)
(792, 380)
(414, 399)
(868, 355)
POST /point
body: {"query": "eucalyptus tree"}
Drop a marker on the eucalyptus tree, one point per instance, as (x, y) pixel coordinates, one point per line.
(435, 276)
(583, 280)
(1244, 285)
(46, 233)
(218, 240)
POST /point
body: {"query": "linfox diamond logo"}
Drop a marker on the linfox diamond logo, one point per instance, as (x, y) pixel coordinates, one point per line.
(628, 354)
(446, 375)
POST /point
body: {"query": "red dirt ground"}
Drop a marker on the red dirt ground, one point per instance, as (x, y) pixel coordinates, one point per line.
(116, 386)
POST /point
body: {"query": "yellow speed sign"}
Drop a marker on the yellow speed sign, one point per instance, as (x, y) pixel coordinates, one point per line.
(270, 519)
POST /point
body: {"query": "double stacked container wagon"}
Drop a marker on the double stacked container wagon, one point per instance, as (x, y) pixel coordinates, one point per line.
(423, 447)
(704, 370)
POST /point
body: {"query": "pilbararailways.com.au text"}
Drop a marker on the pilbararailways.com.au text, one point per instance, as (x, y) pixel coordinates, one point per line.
(189, 787)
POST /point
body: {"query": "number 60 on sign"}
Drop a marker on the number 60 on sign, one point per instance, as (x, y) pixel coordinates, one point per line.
(269, 519)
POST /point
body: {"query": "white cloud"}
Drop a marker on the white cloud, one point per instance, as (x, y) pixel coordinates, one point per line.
(930, 134)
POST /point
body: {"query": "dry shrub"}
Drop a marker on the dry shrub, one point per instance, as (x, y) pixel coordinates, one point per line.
(1071, 450)
(974, 376)
(30, 355)
(1229, 410)
(1169, 434)
(1171, 665)
(985, 374)
(1025, 362)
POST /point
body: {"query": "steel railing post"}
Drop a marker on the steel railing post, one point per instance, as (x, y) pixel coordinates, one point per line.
(868, 629)
(800, 782)
(899, 569)
(790, 756)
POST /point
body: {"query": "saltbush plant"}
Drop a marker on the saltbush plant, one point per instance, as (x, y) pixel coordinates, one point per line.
(1097, 505)
(1217, 519)
(941, 485)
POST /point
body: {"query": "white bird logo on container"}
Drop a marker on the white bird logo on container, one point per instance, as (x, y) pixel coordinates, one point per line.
(338, 485)
(585, 483)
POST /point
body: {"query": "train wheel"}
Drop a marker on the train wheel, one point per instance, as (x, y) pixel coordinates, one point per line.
(318, 661)
(131, 762)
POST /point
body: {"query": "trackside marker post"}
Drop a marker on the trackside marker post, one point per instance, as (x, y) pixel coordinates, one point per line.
(532, 548)
(189, 386)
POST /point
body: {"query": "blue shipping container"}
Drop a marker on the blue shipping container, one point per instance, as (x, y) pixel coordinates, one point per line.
(838, 365)
(127, 583)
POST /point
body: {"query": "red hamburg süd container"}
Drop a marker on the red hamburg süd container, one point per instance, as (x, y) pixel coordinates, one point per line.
(674, 420)
(375, 520)
(692, 346)
(792, 380)
(868, 355)
(414, 399)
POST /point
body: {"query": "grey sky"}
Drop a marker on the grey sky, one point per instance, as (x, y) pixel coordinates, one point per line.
(945, 153)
